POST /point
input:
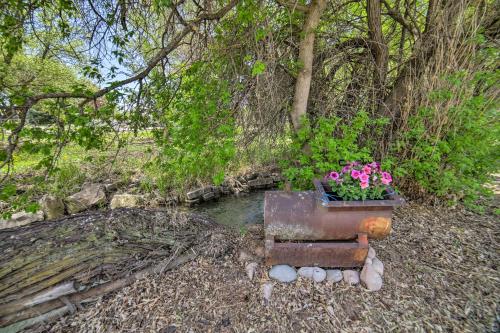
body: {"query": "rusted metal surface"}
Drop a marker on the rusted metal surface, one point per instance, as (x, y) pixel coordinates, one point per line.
(315, 222)
(323, 254)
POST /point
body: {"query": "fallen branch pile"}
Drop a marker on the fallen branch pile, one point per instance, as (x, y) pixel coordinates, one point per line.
(53, 267)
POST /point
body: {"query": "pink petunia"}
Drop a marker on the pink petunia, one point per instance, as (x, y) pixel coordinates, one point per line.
(355, 174)
(386, 181)
(367, 169)
(363, 185)
(334, 175)
(387, 176)
(363, 177)
(346, 168)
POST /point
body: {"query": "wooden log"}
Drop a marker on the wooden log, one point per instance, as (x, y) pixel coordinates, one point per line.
(48, 265)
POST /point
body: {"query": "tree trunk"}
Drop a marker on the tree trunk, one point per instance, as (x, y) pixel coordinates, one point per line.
(48, 265)
(306, 55)
(378, 49)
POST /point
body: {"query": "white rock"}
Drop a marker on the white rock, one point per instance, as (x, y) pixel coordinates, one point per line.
(283, 273)
(250, 269)
(306, 272)
(319, 274)
(370, 278)
(351, 277)
(267, 290)
(368, 261)
(334, 275)
(21, 218)
(91, 195)
(378, 266)
(52, 207)
(126, 200)
(371, 252)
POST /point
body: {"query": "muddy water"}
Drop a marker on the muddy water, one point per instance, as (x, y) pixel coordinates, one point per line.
(235, 211)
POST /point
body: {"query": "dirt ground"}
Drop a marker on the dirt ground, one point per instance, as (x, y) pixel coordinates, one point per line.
(441, 275)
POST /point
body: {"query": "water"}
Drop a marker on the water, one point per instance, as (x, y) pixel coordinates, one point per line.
(235, 211)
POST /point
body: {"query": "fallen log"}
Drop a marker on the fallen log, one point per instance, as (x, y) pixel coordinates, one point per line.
(56, 265)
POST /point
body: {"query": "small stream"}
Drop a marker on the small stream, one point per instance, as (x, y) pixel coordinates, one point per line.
(235, 211)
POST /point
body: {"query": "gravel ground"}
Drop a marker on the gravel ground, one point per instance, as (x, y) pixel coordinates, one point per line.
(441, 275)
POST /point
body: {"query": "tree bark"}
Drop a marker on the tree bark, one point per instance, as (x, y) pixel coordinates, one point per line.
(378, 46)
(306, 55)
(47, 263)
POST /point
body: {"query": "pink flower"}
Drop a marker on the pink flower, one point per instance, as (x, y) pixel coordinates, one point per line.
(355, 174)
(386, 178)
(367, 169)
(334, 175)
(363, 185)
(346, 168)
(364, 177)
(374, 165)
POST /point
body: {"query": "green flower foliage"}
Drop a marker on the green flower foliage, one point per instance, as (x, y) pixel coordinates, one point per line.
(320, 148)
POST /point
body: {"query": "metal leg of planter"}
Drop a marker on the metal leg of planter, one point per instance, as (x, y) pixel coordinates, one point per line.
(321, 253)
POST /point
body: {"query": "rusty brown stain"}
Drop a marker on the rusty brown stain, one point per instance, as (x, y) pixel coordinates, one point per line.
(376, 226)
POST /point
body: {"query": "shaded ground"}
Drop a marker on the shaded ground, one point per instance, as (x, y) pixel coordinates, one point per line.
(441, 274)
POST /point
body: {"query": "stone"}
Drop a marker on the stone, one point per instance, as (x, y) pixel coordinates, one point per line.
(306, 272)
(378, 266)
(351, 277)
(250, 269)
(315, 273)
(267, 290)
(334, 275)
(330, 311)
(52, 207)
(195, 194)
(126, 200)
(283, 273)
(319, 274)
(371, 252)
(21, 218)
(370, 278)
(91, 195)
(208, 196)
(368, 261)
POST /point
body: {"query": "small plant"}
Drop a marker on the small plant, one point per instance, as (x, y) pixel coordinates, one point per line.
(360, 182)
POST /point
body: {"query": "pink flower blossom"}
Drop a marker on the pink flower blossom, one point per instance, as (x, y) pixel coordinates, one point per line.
(374, 165)
(367, 169)
(334, 175)
(346, 168)
(363, 185)
(386, 178)
(364, 177)
(355, 174)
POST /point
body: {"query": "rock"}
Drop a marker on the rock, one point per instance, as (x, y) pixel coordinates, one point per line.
(368, 261)
(244, 256)
(52, 207)
(319, 274)
(371, 252)
(351, 277)
(283, 273)
(126, 200)
(334, 275)
(267, 290)
(315, 273)
(21, 218)
(329, 310)
(91, 195)
(306, 272)
(195, 194)
(208, 196)
(250, 269)
(378, 266)
(370, 278)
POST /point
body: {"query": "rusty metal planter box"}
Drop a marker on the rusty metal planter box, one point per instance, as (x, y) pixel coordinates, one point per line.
(306, 229)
